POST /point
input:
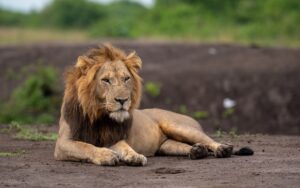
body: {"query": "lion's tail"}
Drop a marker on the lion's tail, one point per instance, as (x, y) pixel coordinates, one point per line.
(244, 151)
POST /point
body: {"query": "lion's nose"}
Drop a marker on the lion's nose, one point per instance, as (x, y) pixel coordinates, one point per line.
(121, 101)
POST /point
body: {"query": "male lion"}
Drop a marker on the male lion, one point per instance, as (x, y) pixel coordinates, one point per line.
(100, 122)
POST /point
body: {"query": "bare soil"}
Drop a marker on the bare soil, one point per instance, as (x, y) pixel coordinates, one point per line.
(264, 82)
(275, 163)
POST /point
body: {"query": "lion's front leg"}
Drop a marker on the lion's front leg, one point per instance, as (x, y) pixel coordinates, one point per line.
(128, 155)
(79, 151)
(69, 150)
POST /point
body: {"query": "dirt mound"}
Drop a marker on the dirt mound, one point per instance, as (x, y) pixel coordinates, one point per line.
(264, 82)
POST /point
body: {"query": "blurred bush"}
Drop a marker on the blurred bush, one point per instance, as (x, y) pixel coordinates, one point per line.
(35, 101)
(72, 14)
(152, 89)
(246, 21)
(122, 19)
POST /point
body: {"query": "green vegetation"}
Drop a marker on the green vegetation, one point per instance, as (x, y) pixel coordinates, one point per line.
(72, 14)
(183, 109)
(268, 22)
(17, 35)
(153, 89)
(35, 101)
(26, 133)
(228, 112)
(231, 133)
(11, 154)
(200, 114)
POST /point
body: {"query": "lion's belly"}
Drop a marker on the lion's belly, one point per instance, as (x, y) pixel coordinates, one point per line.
(145, 136)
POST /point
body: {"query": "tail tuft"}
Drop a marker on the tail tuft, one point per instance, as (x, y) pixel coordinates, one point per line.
(244, 151)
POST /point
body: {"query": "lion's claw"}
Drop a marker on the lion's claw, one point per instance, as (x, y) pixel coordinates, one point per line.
(135, 160)
(198, 151)
(106, 157)
(223, 151)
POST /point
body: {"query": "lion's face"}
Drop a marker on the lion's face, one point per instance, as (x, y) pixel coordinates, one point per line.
(105, 81)
(114, 89)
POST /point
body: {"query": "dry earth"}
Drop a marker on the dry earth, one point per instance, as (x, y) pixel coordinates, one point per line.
(276, 163)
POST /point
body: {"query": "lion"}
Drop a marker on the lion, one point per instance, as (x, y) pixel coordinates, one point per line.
(100, 121)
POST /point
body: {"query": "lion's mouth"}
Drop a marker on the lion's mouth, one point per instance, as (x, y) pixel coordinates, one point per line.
(119, 115)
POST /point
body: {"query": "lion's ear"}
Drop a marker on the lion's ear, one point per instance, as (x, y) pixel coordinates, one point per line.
(83, 63)
(134, 60)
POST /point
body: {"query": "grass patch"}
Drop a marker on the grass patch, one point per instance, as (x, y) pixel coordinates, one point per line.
(200, 114)
(229, 112)
(232, 133)
(34, 135)
(183, 109)
(26, 133)
(11, 154)
(15, 35)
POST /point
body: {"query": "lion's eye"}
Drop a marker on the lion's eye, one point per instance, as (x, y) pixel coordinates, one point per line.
(106, 80)
(126, 78)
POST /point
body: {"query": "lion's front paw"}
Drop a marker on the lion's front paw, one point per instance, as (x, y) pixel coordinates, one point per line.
(135, 159)
(198, 151)
(224, 150)
(105, 157)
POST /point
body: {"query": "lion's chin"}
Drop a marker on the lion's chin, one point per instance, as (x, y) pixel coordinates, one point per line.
(119, 116)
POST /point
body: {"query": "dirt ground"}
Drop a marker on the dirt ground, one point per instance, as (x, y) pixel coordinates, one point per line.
(276, 163)
(264, 82)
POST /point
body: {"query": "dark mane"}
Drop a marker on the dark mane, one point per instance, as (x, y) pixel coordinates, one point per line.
(103, 132)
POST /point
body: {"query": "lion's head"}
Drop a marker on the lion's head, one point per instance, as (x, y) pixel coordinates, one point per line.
(105, 81)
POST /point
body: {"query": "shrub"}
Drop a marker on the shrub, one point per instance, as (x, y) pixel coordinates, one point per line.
(152, 89)
(72, 14)
(35, 100)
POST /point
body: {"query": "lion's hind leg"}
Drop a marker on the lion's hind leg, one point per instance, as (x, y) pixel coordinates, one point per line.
(175, 148)
(187, 130)
(189, 134)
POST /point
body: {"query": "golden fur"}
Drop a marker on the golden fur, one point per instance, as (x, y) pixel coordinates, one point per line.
(100, 122)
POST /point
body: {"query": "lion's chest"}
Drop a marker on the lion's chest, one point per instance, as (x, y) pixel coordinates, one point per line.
(103, 132)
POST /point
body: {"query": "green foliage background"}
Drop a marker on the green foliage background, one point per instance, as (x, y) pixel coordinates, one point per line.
(36, 100)
(267, 22)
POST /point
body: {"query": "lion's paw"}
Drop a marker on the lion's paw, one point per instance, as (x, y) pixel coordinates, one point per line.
(105, 157)
(224, 150)
(198, 151)
(135, 159)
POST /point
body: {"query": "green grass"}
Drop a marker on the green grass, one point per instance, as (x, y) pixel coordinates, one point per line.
(17, 35)
(34, 135)
(11, 154)
(183, 109)
(229, 112)
(29, 133)
(201, 114)
(232, 133)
